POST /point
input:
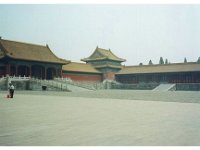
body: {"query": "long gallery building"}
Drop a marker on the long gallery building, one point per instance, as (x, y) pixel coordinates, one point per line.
(24, 59)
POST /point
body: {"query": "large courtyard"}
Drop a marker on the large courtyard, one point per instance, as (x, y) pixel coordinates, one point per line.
(98, 118)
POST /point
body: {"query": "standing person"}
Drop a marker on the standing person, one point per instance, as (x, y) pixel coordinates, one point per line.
(11, 90)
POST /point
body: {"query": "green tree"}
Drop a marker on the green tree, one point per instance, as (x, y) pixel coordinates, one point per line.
(185, 60)
(140, 64)
(198, 61)
(161, 61)
(150, 62)
(166, 61)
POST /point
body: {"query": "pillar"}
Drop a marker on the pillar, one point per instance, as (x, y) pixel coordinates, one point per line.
(57, 73)
(26, 70)
(45, 73)
(61, 73)
(16, 70)
(30, 71)
(8, 69)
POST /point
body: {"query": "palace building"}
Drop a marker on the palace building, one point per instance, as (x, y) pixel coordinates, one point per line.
(165, 73)
(106, 62)
(109, 66)
(23, 59)
(101, 65)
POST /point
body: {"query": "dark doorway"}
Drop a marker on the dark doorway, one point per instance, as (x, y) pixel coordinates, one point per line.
(13, 71)
(38, 72)
(51, 73)
(23, 71)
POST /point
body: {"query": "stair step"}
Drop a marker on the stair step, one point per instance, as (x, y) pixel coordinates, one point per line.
(164, 87)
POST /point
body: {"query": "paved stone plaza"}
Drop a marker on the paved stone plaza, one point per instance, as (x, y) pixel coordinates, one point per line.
(110, 117)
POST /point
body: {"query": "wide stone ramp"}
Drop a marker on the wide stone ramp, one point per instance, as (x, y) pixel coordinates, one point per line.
(81, 85)
(59, 85)
(165, 87)
(74, 88)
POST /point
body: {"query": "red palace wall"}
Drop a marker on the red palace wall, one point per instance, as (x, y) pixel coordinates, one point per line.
(83, 77)
(109, 75)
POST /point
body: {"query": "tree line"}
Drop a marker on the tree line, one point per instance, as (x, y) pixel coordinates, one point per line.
(162, 62)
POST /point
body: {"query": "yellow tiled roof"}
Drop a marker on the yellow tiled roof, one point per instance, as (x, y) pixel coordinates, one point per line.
(30, 52)
(102, 54)
(79, 67)
(176, 67)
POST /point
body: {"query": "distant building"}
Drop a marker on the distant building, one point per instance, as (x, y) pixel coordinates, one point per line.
(168, 73)
(103, 64)
(106, 62)
(23, 59)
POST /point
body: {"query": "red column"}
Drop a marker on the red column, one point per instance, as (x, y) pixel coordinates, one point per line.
(16, 70)
(8, 69)
(45, 73)
(41, 74)
(30, 71)
(26, 71)
(61, 73)
(57, 72)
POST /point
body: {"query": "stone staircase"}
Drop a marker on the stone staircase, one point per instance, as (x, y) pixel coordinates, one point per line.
(74, 88)
(3, 83)
(85, 85)
(49, 84)
(165, 87)
(54, 84)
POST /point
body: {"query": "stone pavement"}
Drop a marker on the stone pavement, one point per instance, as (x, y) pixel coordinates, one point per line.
(31, 119)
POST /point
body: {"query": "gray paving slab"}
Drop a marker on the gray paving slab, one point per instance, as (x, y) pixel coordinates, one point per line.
(44, 119)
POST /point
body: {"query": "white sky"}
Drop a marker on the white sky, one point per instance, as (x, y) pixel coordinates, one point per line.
(136, 33)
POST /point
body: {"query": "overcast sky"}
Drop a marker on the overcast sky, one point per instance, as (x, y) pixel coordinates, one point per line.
(136, 33)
